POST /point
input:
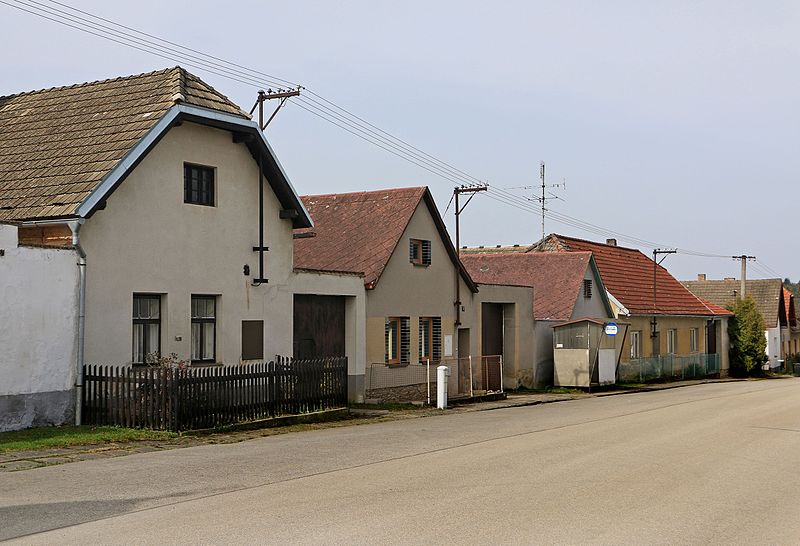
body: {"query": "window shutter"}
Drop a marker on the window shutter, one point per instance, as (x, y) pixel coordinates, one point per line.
(426, 252)
(587, 288)
(386, 342)
(405, 340)
(437, 339)
(420, 336)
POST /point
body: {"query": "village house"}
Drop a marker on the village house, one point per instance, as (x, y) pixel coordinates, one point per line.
(566, 287)
(771, 301)
(422, 306)
(150, 217)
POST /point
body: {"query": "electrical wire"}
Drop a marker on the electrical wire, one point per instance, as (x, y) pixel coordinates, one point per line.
(309, 101)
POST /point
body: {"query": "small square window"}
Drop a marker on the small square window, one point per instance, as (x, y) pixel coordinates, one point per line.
(198, 185)
(587, 288)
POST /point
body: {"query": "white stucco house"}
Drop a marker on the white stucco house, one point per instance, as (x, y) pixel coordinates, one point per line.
(150, 216)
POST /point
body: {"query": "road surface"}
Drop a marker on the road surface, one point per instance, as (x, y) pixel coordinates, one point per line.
(709, 464)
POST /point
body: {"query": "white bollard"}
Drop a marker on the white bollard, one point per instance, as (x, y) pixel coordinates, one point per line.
(442, 373)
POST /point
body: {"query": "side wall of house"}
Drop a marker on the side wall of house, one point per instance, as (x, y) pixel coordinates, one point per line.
(352, 288)
(38, 323)
(147, 240)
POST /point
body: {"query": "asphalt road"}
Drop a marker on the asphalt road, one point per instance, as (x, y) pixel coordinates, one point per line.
(710, 464)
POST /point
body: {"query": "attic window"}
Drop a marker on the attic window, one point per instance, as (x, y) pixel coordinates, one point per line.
(587, 288)
(198, 185)
(419, 252)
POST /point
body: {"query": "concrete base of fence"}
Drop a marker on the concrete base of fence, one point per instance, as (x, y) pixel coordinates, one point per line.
(38, 409)
(405, 393)
(284, 420)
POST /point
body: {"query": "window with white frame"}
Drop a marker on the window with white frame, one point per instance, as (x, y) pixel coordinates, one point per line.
(672, 341)
(694, 333)
(636, 344)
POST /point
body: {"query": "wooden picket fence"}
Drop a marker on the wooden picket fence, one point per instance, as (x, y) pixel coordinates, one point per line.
(174, 399)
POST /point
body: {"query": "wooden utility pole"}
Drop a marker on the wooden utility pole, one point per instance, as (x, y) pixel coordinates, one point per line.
(743, 258)
(656, 263)
(458, 190)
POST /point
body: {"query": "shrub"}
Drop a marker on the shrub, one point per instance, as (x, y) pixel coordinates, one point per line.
(746, 333)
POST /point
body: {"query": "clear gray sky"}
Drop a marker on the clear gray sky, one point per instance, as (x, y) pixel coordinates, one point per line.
(674, 122)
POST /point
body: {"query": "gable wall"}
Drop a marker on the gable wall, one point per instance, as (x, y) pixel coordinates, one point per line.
(148, 240)
(405, 289)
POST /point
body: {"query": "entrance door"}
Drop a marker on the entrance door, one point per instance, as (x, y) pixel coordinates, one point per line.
(711, 337)
(491, 345)
(319, 326)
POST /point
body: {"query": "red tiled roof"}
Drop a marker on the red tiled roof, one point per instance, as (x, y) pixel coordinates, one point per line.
(788, 303)
(358, 232)
(556, 277)
(628, 275)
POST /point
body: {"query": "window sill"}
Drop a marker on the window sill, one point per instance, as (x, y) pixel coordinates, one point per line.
(205, 363)
(420, 265)
(397, 364)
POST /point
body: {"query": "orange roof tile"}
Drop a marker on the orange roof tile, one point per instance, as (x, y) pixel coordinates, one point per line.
(628, 275)
(556, 278)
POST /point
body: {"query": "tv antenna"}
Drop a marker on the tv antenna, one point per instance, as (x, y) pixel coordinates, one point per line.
(546, 194)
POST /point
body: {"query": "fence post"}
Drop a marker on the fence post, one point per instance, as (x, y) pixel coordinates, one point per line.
(429, 380)
(471, 392)
(501, 374)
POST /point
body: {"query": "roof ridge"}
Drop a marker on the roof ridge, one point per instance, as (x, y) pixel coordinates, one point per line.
(366, 192)
(594, 242)
(85, 84)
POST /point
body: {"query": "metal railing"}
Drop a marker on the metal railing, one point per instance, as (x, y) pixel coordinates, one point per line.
(669, 367)
(490, 378)
(414, 381)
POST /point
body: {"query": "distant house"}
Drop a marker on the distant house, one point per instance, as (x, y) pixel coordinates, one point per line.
(770, 300)
(566, 286)
(421, 303)
(149, 185)
(685, 325)
(791, 344)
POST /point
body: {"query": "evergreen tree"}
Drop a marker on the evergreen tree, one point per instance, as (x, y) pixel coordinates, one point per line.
(746, 333)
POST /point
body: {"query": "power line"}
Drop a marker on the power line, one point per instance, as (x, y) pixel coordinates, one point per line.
(313, 103)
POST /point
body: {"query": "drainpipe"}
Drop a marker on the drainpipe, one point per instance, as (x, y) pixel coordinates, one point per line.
(75, 226)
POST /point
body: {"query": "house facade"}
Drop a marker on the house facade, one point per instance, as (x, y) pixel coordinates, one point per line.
(566, 286)
(177, 218)
(770, 300)
(421, 304)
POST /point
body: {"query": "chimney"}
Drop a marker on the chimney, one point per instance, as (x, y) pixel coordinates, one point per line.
(701, 276)
(611, 242)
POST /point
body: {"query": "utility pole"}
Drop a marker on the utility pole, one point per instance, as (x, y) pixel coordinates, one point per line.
(471, 189)
(743, 258)
(262, 97)
(545, 198)
(656, 263)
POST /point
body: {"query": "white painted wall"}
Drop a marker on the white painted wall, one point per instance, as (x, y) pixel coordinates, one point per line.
(38, 319)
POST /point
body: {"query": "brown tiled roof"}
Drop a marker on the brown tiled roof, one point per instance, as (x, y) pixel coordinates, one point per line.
(767, 294)
(556, 278)
(357, 232)
(57, 144)
(628, 275)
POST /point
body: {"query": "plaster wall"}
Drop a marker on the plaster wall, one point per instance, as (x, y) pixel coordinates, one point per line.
(682, 324)
(352, 287)
(408, 290)
(38, 325)
(518, 331)
(147, 240)
(592, 306)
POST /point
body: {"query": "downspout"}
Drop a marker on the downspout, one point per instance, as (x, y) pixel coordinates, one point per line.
(75, 227)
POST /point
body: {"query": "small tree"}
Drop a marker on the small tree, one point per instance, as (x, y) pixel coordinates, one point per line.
(746, 333)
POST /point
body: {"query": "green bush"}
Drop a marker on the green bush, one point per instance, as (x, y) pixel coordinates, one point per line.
(746, 333)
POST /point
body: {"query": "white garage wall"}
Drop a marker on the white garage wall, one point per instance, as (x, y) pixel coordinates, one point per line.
(38, 319)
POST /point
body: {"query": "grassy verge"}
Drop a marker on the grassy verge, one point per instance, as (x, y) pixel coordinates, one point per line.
(54, 437)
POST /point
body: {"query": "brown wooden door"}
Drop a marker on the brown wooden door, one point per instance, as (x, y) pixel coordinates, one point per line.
(491, 344)
(319, 326)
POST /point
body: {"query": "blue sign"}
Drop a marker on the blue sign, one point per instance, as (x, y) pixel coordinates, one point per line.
(611, 329)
